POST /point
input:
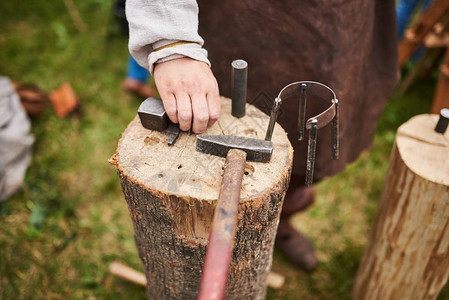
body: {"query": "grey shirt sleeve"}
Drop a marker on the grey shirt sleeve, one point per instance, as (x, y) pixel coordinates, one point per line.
(154, 24)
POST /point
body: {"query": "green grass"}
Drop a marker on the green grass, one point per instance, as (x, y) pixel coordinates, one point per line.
(58, 235)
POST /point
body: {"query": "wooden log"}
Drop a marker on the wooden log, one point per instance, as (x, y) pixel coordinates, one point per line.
(424, 63)
(407, 256)
(171, 194)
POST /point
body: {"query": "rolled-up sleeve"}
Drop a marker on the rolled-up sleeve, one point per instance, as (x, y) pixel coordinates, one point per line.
(155, 25)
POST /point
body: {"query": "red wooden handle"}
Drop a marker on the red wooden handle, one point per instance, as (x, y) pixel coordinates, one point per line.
(221, 240)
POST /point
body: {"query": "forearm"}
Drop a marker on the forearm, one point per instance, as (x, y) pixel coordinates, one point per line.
(155, 25)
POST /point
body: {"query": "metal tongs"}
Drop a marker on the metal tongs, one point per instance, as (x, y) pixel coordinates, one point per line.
(303, 89)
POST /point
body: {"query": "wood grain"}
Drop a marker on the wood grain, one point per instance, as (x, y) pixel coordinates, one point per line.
(407, 256)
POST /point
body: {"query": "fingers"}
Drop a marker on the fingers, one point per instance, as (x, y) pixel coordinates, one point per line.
(214, 106)
(189, 92)
(200, 113)
(184, 110)
(203, 111)
(170, 106)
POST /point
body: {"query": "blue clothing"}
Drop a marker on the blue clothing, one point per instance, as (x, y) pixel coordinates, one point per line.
(404, 12)
(135, 71)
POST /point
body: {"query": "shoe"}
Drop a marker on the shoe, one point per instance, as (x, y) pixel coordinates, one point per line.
(139, 88)
(296, 247)
(33, 99)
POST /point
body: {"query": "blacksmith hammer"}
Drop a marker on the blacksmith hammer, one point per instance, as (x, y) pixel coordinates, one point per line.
(221, 240)
(153, 116)
(224, 227)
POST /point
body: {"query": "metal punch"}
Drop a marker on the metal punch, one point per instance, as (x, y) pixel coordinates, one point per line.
(303, 89)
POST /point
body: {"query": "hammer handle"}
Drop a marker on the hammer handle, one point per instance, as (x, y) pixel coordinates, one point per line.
(221, 240)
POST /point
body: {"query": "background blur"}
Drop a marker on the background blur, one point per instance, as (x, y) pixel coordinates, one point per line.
(61, 232)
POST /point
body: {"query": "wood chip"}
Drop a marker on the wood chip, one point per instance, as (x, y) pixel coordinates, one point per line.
(64, 100)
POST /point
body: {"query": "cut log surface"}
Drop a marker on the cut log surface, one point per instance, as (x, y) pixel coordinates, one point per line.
(407, 256)
(171, 194)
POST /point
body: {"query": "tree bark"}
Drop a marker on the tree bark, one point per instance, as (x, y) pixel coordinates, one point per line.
(407, 256)
(171, 194)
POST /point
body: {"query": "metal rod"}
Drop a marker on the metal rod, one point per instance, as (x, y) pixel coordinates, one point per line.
(302, 111)
(273, 118)
(443, 121)
(239, 83)
(335, 133)
(311, 151)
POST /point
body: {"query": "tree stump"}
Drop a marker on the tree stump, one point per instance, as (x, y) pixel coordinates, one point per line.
(171, 194)
(407, 256)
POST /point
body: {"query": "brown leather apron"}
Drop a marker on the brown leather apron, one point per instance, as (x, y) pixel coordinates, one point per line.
(349, 45)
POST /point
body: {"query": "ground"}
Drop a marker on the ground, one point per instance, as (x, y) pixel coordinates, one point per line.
(58, 235)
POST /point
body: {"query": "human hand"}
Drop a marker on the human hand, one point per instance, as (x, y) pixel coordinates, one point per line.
(189, 91)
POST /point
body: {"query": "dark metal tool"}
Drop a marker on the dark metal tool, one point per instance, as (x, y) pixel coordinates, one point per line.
(303, 89)
(172, 133)
(239, 83)
(224, 227)
(443, 121)
(153, 116)
(219, 145)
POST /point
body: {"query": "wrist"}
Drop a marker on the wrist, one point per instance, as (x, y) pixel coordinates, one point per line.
(174, 50)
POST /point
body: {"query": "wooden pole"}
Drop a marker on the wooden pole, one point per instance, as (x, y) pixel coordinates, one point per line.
(407, 256)
(441, 98)
(418, 31)
(75, 15)
(274, 280)
(171, 194)
(127, 273)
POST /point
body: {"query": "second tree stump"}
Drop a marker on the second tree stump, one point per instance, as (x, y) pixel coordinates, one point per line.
(407, 256)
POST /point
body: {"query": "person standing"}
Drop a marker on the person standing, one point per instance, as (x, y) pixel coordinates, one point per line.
(351, 46)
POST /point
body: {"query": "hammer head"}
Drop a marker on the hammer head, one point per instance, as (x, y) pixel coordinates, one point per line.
(219, 145)
(152, 114)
